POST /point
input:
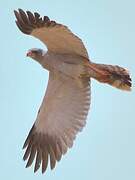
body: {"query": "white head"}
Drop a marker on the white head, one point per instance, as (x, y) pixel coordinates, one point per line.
(36, 54)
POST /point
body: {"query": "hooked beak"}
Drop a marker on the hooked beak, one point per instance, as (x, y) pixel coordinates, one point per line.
(29, 54)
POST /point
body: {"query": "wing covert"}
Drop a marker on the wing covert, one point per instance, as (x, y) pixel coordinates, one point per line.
(57, 37)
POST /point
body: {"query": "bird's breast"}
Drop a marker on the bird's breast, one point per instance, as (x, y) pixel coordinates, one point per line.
(67, 64)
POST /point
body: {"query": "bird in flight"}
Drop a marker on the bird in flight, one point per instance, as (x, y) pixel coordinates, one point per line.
(66, 103)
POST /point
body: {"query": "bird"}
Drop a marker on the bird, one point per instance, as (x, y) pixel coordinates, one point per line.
(65, 106)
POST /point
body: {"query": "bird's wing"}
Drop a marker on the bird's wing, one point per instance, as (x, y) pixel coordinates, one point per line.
(57, 37)
(62, 114)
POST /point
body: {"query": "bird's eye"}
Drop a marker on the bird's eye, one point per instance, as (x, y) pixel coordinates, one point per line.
(35, 52)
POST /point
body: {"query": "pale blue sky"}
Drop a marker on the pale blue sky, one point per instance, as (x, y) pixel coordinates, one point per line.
(105, 150)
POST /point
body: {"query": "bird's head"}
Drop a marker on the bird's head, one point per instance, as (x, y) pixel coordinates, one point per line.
(36, 54)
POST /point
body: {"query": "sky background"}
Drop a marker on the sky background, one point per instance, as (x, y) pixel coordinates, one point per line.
(106, 147)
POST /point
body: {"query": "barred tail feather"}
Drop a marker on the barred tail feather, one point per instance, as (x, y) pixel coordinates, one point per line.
(114, 75)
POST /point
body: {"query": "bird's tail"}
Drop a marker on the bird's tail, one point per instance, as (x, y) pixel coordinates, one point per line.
(114, 75)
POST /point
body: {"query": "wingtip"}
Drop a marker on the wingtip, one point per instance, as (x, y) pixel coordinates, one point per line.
(19, 9)
(27, 165)
(43, 171)
(24, 159)
(36, 168)
(52, 167)
(24, 146)
(15, 12)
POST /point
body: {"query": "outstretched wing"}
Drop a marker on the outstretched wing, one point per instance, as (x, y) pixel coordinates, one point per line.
(62, 114)
(57, 37)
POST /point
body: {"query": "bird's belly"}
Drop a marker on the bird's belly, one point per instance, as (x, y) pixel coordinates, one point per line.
(66, 64)
(72, 70)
